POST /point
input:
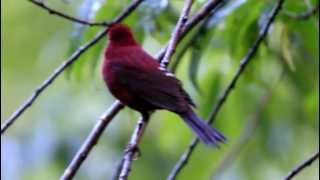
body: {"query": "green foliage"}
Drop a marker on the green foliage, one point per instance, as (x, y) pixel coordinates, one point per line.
(246, 28)
(288, 126)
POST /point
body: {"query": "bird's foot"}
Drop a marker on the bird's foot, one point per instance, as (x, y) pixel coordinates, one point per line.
(134, 149)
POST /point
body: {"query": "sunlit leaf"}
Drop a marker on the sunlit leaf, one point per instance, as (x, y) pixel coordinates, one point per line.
(244, 27)
(286, 50)
(86, 11)
(193, 68)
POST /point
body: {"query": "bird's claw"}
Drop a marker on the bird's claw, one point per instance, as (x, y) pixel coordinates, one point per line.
(133, 149)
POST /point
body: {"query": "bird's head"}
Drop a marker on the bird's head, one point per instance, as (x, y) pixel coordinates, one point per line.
(121, 34)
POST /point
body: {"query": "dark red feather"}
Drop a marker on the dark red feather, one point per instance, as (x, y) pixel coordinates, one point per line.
(137, 80)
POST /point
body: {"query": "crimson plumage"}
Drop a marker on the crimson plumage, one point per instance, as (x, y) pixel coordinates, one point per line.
(138, 81)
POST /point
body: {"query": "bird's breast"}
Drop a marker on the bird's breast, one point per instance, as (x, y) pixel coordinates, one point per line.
(114, 84)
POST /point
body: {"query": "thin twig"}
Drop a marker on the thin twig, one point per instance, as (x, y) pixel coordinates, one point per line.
(184, 158)
(99, 127)
(42, 5)
(302, 166)
(91, 140)
(176, 33)
(126, 162)
(244, 137)
(192, 22)
(192, 40)
(118, 169)
(304, 15)
(174, 65)
(244, 62)
(248, 131)
(30, 100)
(132, 149)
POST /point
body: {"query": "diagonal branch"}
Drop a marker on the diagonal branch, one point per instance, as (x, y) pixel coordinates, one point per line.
(248, 131)
(116, 106)
(193, 38)
(91, 141)
(126, 162)
(244, 62)
(30, 100)
(205, 10)
(302, 166)
(176, 33)
(132, 148)
(42, 5)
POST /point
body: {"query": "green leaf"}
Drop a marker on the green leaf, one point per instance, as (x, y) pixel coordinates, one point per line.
(193, 68)
(286, 49)
(243, 28)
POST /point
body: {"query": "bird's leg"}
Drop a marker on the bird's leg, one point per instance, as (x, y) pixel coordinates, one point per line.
(133, 147)
(145, 116)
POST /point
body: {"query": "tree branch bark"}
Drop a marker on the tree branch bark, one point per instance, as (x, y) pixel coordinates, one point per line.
(243, 63)
(193, 38)
(30, 100)
(302, 166)
(126, 162)
(248, 132)
(42, 5)
(91, 141)
(200, 15)
(205, 10)
(132, 148)
(177, 33)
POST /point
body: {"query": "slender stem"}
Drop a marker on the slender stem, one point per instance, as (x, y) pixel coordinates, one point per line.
(125, 165)
(99, 127)
(192, 22)
(302, 166)
(30, 100)
(244, 62)
(42, 5)
(193, 38)
(205, 10)
(132, 149)
(183, 161)
(176, 33)
(91, 141)
(248, 131)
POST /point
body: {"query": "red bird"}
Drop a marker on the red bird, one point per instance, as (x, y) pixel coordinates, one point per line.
(138, 81)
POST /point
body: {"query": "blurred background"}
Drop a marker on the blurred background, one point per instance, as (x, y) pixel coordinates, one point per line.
(271, 118)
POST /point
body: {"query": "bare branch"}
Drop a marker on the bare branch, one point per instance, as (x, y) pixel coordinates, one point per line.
(304, 15)
(30, 100)
(184, 158)
(248, 132)
(244, 62)
(193, 38)
(205, 10)
(176, 33)
(42, 5)
(302, 166)
(132, 149)
(91, 141)
(126, 162)
(192, 22)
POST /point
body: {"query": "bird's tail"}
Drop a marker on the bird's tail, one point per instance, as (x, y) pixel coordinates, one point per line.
(205, 132)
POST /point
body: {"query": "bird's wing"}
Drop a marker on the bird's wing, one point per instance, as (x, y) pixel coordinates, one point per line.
(153, 85)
